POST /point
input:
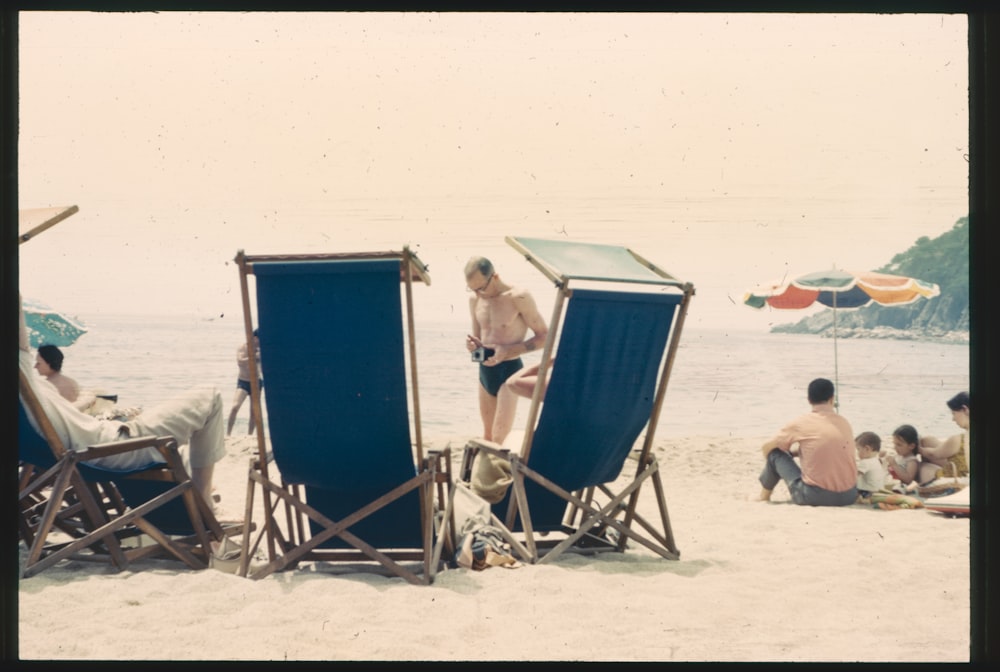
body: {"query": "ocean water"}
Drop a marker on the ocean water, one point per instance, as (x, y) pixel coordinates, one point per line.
(724, 382)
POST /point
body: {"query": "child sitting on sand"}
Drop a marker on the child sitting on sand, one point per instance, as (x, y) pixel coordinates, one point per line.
(905, 464)
(871, 472)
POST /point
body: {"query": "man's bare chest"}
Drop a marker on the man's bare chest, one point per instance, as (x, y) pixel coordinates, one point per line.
(493, 314)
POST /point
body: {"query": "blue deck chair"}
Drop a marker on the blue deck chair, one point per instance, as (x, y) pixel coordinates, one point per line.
(69, 509)
(352, 485)
(613, 354)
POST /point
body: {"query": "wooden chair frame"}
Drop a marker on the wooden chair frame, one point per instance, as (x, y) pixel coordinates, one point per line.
(94, 514)
(597, 508)
(294, 545)
(291, 544)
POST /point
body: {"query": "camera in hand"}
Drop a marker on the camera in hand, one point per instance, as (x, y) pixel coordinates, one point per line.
(481, 354)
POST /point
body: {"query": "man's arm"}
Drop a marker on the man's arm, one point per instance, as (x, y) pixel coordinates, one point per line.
(768, 446)
(473, 340)
(85, 400)
(778, 443)
(533, 319)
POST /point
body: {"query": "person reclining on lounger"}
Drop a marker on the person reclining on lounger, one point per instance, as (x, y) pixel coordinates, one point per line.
(194, 418)
(49, 363)
(828, 475)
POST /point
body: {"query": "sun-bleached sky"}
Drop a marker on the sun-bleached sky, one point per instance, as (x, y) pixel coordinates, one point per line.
(733, 148)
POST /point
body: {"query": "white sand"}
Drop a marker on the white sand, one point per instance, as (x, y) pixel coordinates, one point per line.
(756, 582)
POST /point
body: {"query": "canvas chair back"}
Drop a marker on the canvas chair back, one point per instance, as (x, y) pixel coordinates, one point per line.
(601, 392)
(332, 347)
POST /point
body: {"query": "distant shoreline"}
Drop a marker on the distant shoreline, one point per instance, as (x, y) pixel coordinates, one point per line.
(957, 337)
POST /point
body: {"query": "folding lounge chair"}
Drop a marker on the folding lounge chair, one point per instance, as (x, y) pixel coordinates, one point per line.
(69, 509)
(614, 353)
(350, 483)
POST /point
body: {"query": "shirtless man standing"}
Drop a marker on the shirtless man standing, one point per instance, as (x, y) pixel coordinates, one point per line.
(502, 315)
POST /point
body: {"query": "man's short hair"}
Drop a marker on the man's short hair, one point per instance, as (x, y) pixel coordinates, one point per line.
(869, 440)
(958, 401)
(52, 355)
(481, 264)
(820, 391)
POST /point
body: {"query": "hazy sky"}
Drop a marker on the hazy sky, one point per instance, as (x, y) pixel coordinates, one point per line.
(729, 148)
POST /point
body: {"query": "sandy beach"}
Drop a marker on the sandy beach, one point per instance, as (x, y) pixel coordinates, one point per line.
(756, 582)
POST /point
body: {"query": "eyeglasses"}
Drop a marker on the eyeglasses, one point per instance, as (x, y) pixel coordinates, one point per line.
(482, 289)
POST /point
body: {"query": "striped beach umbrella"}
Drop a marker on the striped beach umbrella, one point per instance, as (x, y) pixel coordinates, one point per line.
(840, 290)
(47, 326)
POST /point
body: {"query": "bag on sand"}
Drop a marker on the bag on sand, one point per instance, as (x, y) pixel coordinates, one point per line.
(481, 545)
(483, 548)
(491, 476)
(940, 488)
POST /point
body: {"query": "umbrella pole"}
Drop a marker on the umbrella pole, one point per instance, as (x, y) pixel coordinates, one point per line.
(836, 366)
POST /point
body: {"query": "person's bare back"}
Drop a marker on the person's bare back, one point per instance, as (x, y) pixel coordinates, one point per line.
(68, 388)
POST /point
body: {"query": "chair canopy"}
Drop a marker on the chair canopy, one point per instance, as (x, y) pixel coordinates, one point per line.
(562, 260)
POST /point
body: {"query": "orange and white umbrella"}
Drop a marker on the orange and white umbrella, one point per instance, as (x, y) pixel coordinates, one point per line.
(840, 290)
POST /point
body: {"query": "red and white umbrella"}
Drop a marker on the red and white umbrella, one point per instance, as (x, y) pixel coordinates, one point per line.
(840, 290)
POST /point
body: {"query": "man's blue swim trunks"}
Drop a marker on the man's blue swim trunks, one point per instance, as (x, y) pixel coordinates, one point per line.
(492, 377)
(245, 384)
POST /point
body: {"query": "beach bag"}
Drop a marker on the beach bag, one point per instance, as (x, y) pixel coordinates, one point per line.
(481, 545)
(484, 547)
(491, 476)
(940, 488)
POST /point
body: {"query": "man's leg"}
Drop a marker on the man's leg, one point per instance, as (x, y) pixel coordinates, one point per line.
(238, 400)
(487, 410)
(252, 421)
(779, 466)
(506, 409)
(521, 384)
(202, 478)
(194, 418)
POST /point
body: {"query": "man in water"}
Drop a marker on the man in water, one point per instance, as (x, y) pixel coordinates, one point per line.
(824, 442)
(502, 316)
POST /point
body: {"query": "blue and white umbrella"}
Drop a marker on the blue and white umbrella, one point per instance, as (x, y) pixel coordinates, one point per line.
(50, 327)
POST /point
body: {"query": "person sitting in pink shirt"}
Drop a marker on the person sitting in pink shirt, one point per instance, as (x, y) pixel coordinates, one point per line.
(824, 443)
